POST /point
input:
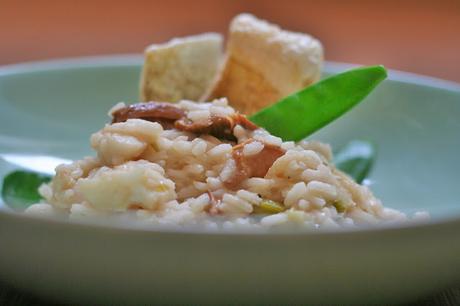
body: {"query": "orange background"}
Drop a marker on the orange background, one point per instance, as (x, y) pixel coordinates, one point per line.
(417, 36)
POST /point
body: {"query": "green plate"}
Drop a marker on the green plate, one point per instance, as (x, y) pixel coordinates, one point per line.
(49, 109)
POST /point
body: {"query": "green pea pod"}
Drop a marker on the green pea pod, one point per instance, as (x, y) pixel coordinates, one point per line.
(356, 159)
(300, 114)
(20, 188)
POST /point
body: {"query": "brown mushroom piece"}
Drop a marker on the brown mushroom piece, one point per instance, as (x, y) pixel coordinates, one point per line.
(170, 116)
(218, 126)
(256, 165)
(164, 113)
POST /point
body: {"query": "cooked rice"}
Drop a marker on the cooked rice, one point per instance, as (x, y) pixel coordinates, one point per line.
(176, 178)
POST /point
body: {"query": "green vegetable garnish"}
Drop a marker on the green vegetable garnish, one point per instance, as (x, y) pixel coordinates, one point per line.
(20, 188)
(300, 114)
(269, 207)
(356, 159)
(339, 206)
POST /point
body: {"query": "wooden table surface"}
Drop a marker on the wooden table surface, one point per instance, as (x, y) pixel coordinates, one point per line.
(414, 35)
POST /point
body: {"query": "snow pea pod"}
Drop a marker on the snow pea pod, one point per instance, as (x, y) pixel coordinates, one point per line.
(356, 159)
(302, 113)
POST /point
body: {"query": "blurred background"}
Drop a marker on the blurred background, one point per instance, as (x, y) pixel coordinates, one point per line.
(417, 36)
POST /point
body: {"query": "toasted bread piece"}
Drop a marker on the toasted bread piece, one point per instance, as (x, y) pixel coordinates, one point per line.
(264, 64)
(182, 68)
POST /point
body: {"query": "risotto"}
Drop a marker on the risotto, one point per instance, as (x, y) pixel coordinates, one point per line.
(193, 163)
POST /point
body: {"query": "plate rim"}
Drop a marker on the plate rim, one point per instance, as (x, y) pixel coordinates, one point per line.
(129, 59)
(447, 223)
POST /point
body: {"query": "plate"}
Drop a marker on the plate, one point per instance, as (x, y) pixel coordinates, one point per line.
(51, 108)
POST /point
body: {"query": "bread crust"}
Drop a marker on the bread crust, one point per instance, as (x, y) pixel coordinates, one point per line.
(182, 68)
(264, 63)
